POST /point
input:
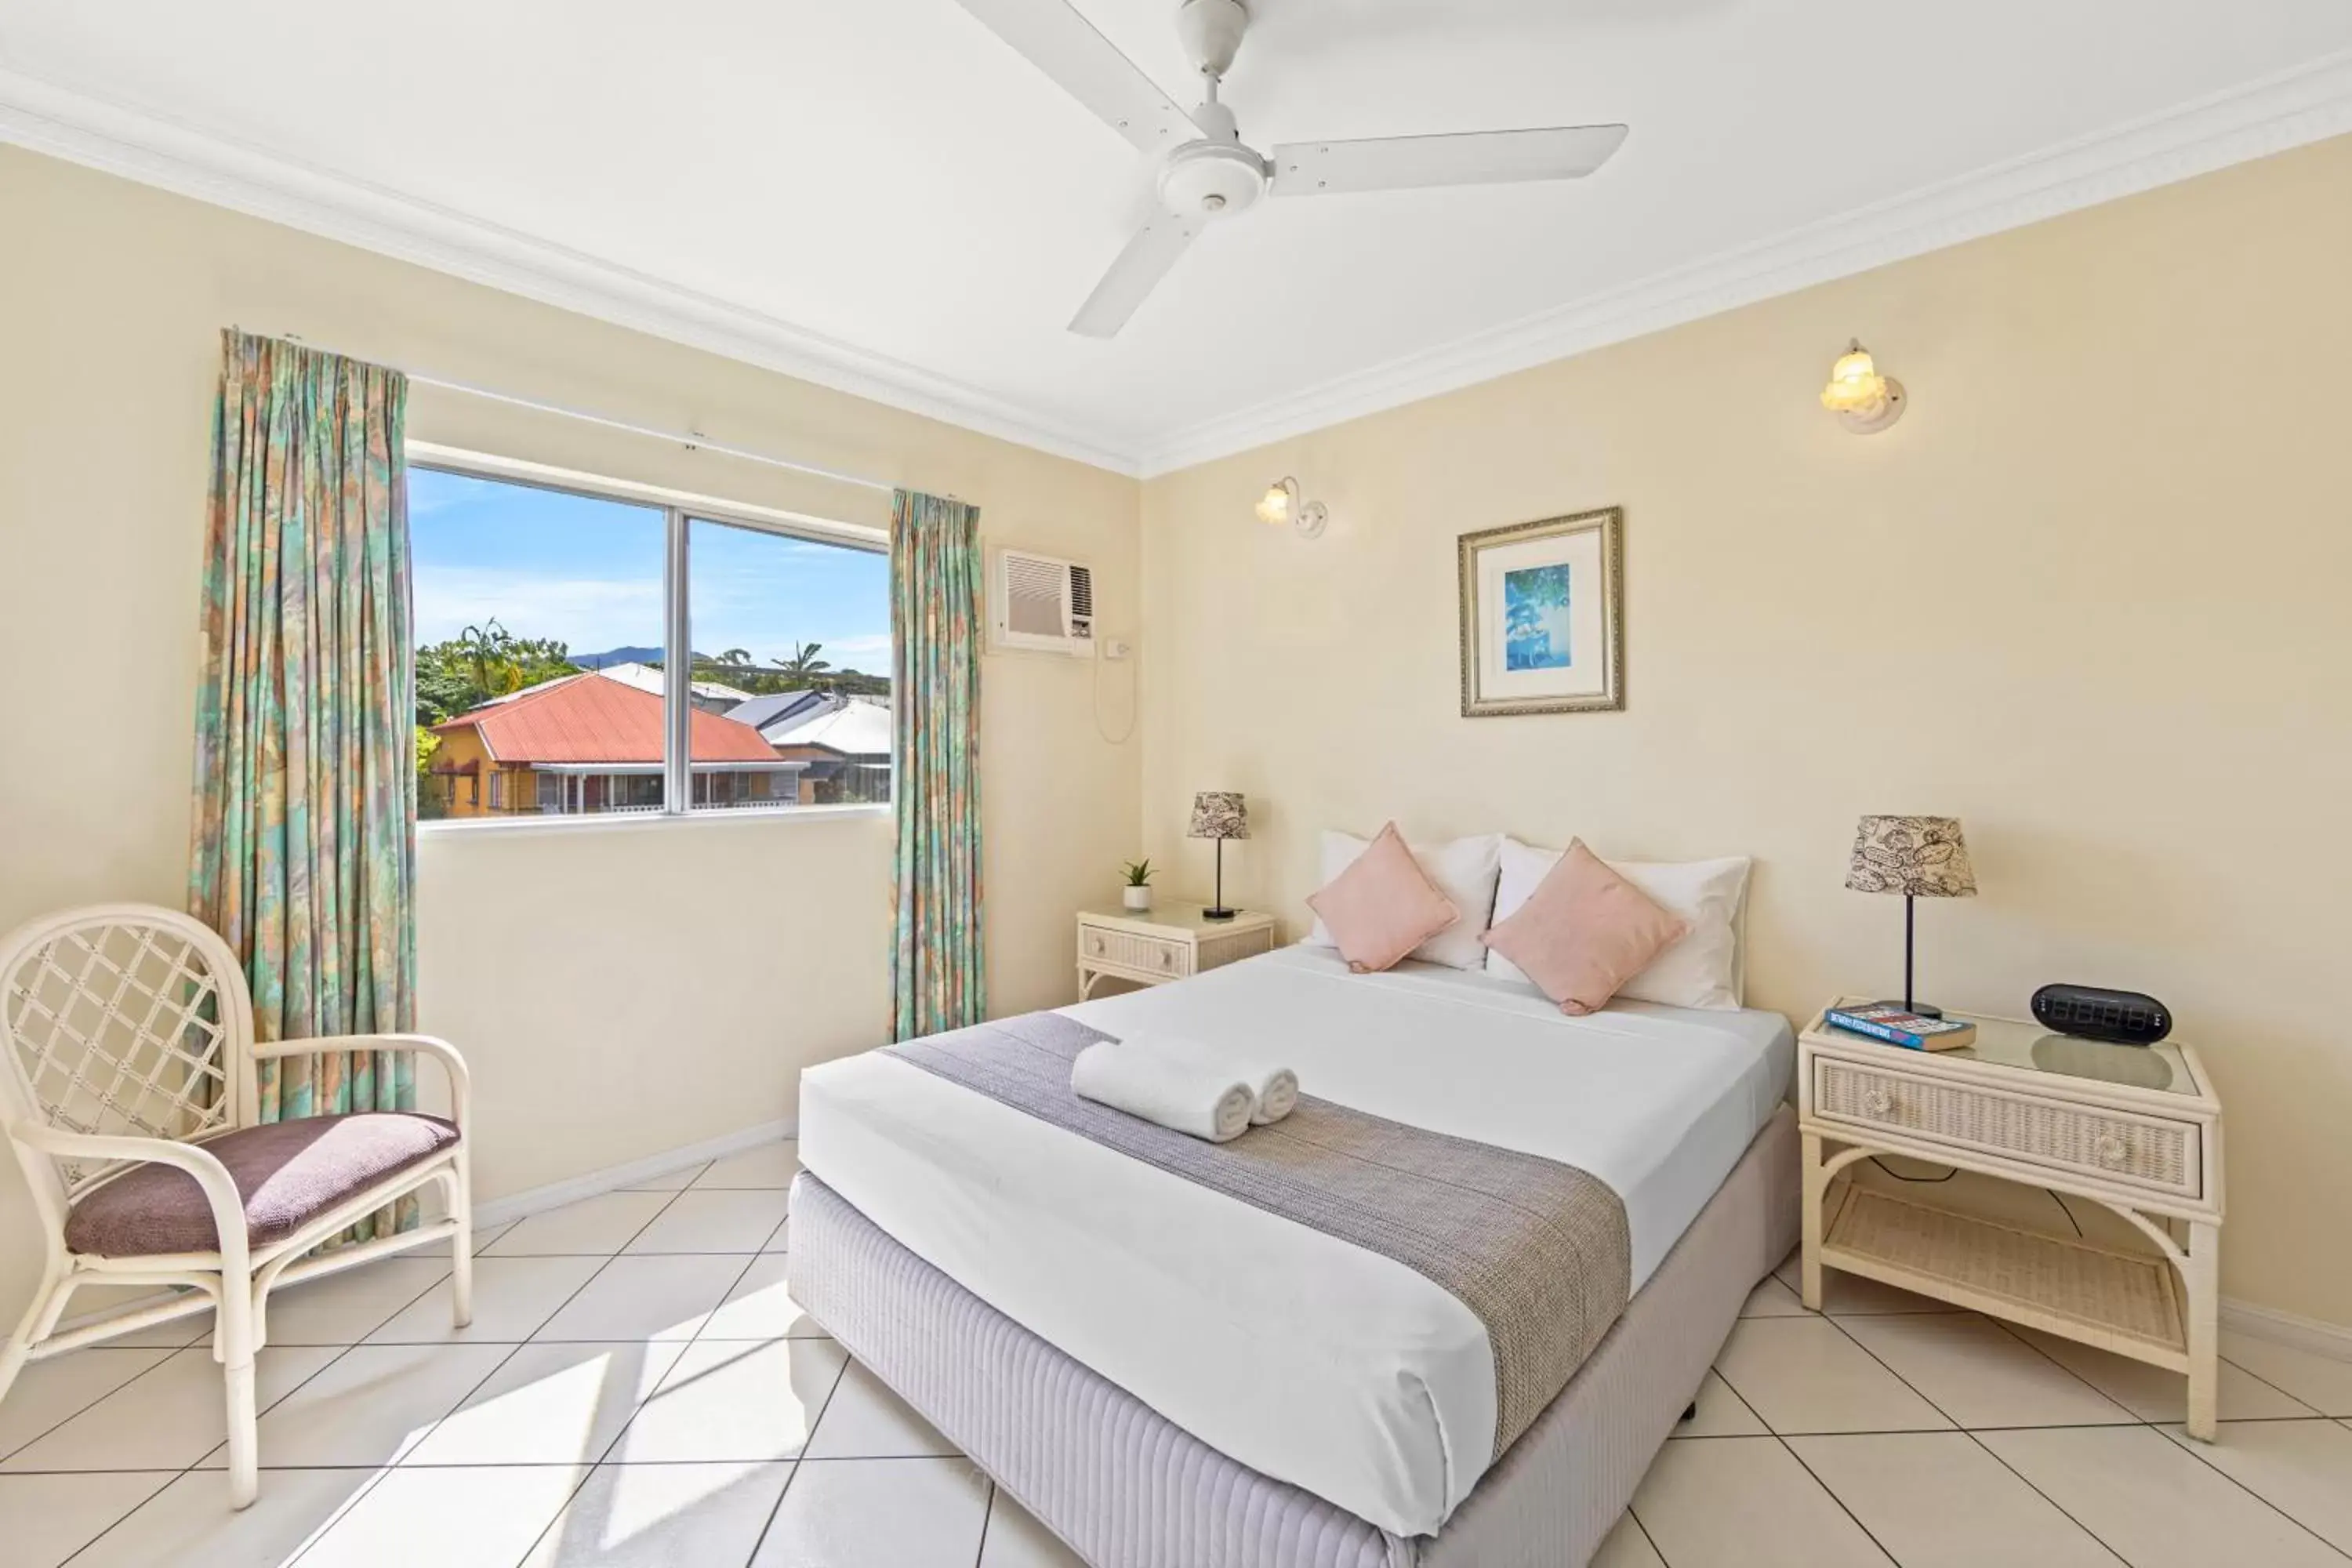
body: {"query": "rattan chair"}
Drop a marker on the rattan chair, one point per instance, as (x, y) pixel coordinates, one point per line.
(127, 1088)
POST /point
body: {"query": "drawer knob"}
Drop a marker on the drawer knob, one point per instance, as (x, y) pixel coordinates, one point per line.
(2110, 1150)
(1878, 1100)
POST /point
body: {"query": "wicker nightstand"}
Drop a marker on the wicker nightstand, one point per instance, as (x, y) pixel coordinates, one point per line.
(1165, 943)
(2137, 1129)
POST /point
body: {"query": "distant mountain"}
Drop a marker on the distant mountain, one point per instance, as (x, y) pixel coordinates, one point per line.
(617, 655)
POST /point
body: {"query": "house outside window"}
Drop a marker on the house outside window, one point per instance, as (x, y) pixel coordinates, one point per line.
(546, 620)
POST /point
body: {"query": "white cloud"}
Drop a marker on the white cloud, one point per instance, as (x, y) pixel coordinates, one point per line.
(436, 491)
(588, 613)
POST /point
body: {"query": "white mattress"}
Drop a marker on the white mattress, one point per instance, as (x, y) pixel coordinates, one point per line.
(1300, 1355)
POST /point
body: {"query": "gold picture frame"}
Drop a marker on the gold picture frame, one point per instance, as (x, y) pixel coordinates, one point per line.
(1543, 617)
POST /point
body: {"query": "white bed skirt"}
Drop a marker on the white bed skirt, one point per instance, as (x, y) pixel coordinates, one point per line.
(1127, 1488)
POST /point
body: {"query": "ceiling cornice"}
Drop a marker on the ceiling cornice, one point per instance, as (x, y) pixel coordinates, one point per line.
(67, 123)
(2308, 104)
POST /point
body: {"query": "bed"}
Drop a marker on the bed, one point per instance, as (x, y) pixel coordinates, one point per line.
(1165, 1375)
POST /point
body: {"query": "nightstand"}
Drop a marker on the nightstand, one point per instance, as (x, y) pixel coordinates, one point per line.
(2135, 1129)
(1169, 942)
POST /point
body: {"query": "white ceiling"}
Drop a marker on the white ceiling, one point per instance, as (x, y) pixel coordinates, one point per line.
(880, 194)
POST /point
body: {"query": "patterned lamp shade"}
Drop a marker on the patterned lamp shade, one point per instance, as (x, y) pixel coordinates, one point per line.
(1919, 856)
(1219, 814)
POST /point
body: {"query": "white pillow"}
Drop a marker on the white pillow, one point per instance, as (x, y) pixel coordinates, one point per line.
(1464, 871)
(1702, 970)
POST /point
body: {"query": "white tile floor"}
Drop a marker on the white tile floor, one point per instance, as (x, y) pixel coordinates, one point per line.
(637, 1389)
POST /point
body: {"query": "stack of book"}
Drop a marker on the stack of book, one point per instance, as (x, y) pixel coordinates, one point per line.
(1894, 1026)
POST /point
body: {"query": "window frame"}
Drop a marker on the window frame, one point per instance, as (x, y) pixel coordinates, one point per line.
(680, 510)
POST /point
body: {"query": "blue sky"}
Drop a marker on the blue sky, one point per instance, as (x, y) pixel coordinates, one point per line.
(589, 573)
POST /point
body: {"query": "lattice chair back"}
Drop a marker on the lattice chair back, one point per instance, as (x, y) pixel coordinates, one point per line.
(126, 1019)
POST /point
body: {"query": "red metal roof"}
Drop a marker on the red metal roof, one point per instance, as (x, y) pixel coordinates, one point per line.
(588, 718)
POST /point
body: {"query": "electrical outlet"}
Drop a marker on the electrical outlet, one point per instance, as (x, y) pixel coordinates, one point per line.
(1116, 647)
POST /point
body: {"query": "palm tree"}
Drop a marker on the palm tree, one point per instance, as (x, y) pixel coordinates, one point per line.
(489, 649)
(803, 667)
(731, 658)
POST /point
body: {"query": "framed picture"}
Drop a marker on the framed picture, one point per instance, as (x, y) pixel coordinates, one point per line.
(1543, 617)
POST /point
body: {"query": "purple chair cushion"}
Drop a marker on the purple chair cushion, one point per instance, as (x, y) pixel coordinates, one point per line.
(288, 1172)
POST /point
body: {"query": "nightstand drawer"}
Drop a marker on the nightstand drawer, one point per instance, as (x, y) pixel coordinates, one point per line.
(2138, 1150)
(1103, 947)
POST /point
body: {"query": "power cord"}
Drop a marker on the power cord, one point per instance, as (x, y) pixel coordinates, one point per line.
(1924, 1181)
(1951, 1170)
(2064, 1210)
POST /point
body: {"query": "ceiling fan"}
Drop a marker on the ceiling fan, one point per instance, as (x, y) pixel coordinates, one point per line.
(1205, 172)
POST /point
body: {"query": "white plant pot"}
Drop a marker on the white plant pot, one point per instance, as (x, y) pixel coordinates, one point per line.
(1136, 898)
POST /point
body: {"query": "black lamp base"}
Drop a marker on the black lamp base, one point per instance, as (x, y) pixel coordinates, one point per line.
(1908, 1006)
(1217, 910)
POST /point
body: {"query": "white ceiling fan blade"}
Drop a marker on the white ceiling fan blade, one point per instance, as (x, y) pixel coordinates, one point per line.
(1409, 162)
(1137, 271)
(1053, 36)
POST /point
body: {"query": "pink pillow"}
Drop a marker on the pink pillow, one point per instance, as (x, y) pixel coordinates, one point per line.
(1383, 906)
(1584, 931)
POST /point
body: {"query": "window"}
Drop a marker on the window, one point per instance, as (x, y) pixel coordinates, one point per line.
(519, 590)
(545, 624)
(788, 636)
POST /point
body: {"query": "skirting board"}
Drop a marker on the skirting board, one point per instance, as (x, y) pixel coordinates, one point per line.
(555, 1195)
(2330, 1340)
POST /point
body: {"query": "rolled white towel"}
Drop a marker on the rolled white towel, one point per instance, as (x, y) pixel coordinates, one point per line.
(1274, 1090)
(1276, 1095)
(1178, 1093)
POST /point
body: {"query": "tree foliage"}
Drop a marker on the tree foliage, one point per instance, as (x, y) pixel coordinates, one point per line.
(804, 664)
(479, 663)
(429, 802)
(458, 676)
(802, 671)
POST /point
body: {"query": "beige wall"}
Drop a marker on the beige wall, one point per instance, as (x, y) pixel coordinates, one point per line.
(2089, 596)
(619, 990)
(2118, 501)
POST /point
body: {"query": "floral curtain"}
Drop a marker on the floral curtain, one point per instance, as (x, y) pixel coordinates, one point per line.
(304, 843)
(937, 973)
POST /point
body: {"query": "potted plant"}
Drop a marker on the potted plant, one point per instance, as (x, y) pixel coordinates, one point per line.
(1137, 894)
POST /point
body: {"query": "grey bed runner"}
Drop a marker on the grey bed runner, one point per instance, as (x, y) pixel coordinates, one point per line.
(1538, 1251)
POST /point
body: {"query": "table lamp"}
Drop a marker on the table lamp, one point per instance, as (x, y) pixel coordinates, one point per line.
(1920, 857)
(1219, 814)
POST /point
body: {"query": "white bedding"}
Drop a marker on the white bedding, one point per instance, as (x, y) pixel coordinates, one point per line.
(1300, 1355)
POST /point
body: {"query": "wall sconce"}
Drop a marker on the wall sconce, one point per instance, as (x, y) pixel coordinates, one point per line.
(1283, 504)
(1864, 401)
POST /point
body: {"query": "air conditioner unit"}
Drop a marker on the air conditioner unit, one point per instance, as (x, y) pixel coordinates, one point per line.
(1040, 604)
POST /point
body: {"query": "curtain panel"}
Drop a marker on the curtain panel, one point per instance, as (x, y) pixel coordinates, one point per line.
(303, 852)
(937, 972)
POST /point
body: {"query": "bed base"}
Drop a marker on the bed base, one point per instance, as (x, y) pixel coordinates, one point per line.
(1125, 1488)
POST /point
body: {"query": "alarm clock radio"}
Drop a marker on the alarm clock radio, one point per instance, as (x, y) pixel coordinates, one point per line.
(2094, 1013)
